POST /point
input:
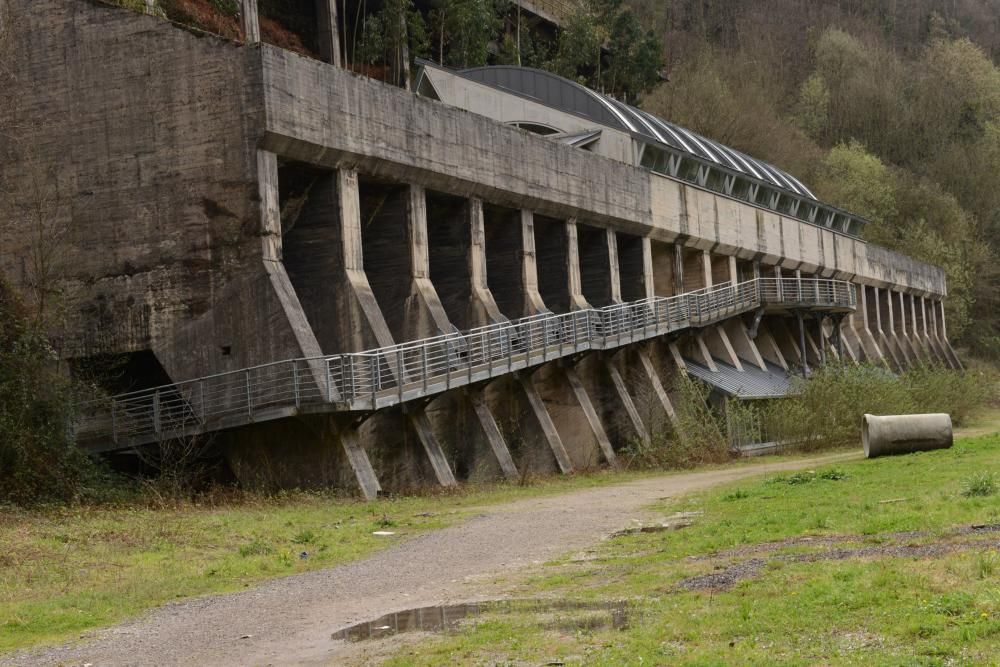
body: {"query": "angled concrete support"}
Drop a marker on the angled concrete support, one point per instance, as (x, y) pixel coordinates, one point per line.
(654, 380)
(720, 347)
(492, 432)
(743, 346)
(678, 358)
(768, 348)
(787, 341)
(541, 415)
(358, 459)
(706, 267)
(625, 398)
(849, 339)
(704, 352)
(417, 418)
(588, 409)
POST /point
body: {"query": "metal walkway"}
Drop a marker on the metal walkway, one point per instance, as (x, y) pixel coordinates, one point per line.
(375, 379)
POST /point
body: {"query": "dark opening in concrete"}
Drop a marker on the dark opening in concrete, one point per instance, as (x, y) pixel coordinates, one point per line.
(595, 265)
(311, 239)
(449, 239)
(630, 267)
(664, 265)
(385, 243)
(504, 258)
(552, 250)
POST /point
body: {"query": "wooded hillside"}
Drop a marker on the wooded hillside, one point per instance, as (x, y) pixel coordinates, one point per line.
(889, 108)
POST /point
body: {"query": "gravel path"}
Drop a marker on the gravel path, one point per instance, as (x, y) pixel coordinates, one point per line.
(290, 620)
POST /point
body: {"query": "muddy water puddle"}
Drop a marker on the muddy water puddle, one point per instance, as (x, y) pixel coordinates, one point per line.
(555, 614)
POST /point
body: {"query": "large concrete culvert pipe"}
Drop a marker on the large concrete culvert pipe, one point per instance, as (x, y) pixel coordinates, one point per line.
(903, 434)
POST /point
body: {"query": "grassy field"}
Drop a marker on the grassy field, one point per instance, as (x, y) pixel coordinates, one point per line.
(64, 571)
(867, 563)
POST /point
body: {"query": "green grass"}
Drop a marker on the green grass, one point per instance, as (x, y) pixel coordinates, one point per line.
(878, 609)
(64, 571)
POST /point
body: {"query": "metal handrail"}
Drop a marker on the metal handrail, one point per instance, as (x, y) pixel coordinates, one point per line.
(376, 378)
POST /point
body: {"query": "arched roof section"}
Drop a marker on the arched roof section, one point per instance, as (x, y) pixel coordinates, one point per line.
(560, 93)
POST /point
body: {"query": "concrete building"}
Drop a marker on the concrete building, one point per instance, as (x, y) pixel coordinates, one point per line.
(339, 281)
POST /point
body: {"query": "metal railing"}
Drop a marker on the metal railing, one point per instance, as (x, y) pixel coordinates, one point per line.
(378, 378)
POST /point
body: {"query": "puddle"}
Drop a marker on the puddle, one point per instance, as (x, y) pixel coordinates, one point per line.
(561, 614)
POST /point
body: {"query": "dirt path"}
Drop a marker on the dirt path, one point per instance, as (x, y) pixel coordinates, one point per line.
(290, 620)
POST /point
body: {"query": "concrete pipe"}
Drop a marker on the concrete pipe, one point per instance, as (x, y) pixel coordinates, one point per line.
(903, 434)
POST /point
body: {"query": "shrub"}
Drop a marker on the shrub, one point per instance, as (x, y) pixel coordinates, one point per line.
(827, 408)
(39, 459)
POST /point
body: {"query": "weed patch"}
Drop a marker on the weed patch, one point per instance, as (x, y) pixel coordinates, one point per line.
(979, 485)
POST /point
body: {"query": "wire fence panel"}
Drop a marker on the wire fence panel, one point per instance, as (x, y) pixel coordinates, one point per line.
(368, 380)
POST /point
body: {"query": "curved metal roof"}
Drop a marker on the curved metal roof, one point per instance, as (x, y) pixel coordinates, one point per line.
(555, 91)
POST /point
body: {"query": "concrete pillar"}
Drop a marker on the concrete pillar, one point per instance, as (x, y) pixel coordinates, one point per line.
(424, 316)
(576, 298)
(483, 308)
(884, 327)
(648, 278)
(902, 335)
(945, 343)
(529, 267)
(251, 22)
(328, 31)
(614, 269)
(706, 264)
(734, 274)
(930, 334)
(679, 284)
